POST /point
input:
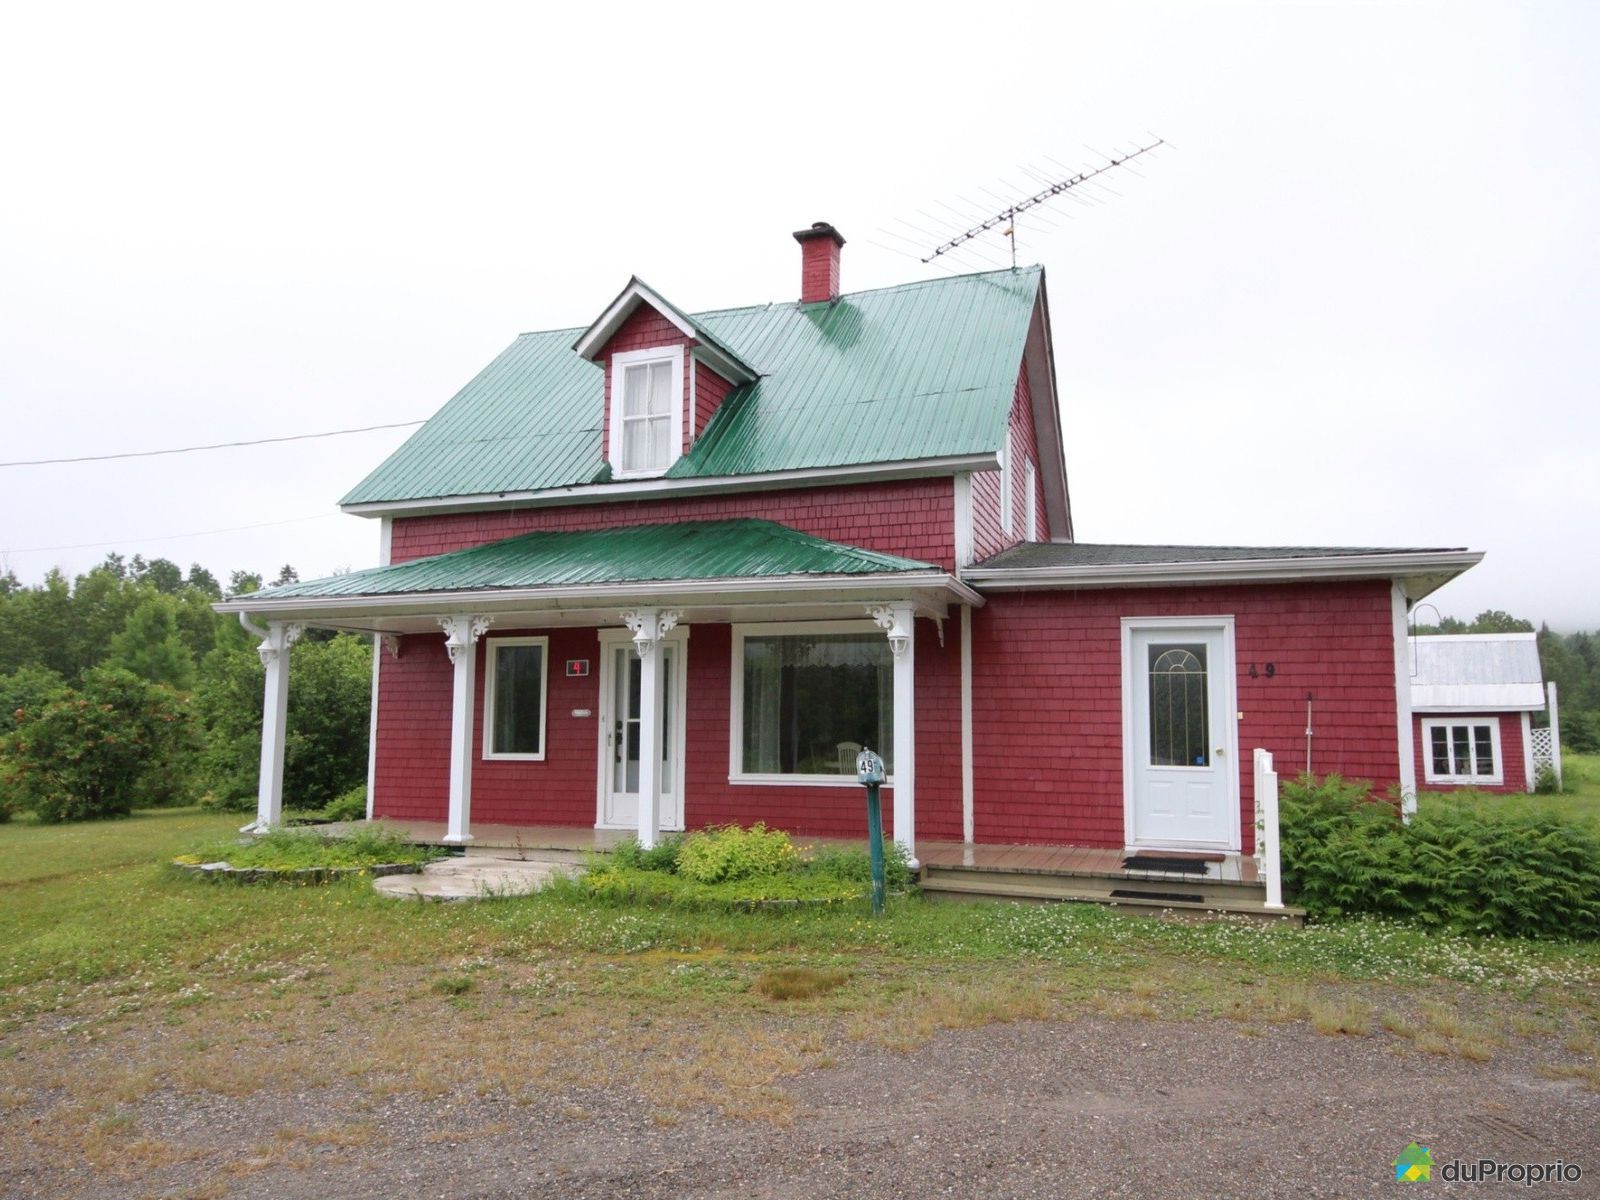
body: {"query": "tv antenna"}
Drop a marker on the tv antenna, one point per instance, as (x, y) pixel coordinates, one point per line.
(1008, 215)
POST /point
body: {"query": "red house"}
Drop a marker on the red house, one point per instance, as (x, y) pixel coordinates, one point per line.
(673, 569)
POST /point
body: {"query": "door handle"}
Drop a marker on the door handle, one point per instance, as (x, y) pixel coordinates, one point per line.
(1220, 752)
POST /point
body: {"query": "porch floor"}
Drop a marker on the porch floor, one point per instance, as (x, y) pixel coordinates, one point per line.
(980, 856)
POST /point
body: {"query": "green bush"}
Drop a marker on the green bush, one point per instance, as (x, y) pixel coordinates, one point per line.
(348, 806)
(729, 852)
(1514, 871)
(115, 744)
(630, 885)
(855, 864)
(663, 856)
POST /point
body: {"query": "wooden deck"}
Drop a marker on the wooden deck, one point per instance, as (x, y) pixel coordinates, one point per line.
(951, 870)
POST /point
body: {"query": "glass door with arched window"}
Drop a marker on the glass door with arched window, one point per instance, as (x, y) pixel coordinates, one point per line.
(1181, 786)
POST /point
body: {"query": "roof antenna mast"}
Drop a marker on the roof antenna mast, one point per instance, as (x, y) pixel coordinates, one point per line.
(1008, 215)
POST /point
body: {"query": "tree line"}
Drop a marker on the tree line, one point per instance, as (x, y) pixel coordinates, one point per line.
(121, 688)
(1569, 660)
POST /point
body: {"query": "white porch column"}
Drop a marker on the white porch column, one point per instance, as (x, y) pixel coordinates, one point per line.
(1402, 701)
(1554, 710)
(649, 626)
(274, 651)
(461, 643)
(899, 622)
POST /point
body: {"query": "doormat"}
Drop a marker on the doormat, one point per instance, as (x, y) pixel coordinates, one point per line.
(1181, 897)
(1158, 862)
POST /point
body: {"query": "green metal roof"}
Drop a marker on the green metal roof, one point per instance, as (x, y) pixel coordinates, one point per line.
(924, 370)
(737, 549)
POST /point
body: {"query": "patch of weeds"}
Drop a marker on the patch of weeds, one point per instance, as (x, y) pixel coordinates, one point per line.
(799, 983)
(1348, 1017)
(452, 985)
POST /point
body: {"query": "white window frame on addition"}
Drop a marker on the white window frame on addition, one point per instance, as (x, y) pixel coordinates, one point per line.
(1008, 488)
(1429, 724)
(620, 362)
(491, 648)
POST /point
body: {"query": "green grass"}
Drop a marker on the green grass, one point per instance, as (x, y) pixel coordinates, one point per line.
(93, 907)
(298, 849)
(1579, 802)
(663, 888)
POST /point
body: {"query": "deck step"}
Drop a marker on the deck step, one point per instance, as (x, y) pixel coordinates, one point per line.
(1046, 884)
(951, 887)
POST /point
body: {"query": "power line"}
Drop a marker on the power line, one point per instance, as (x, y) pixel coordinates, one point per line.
(294, 437)
(166, 537)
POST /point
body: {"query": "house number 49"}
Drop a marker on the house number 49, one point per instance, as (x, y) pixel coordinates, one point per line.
(1271, 670)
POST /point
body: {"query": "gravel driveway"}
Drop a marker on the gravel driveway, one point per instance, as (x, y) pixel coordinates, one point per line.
(1102, 1108)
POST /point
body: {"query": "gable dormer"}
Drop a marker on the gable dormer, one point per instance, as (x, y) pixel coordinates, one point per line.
(665, 374)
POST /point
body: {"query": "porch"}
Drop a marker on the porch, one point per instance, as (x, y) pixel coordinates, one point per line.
(1161, 883)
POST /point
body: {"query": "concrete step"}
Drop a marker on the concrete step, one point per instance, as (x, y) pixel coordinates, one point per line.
(1043, 883)
(948, 888)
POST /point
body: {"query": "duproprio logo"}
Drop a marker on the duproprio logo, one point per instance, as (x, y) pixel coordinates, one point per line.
(1415, 1163)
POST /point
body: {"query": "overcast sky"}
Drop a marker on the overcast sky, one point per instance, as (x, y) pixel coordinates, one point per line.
(1354, 303)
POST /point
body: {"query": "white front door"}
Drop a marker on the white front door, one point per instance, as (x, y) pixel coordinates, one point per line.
(1181, 756)
(619, 734)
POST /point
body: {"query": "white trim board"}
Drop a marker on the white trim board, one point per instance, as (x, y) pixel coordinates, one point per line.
(1229, 703)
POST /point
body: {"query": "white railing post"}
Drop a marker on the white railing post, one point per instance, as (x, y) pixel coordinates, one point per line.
(1268, 860)
(1555, 729)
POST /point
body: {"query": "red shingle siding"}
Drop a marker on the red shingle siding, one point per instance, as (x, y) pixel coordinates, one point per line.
(1047, 697)
(414, 744)
(710, 390)
(914, 518)
(988, 535)
(1047, 717)
(1514, 764)
(645, 329)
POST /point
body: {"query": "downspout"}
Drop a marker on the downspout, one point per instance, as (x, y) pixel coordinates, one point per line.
(244, 619)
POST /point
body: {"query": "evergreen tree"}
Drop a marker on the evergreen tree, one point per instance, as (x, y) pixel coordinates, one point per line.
(149, 645)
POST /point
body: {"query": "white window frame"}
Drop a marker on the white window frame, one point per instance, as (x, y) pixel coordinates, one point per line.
(1429, 724)
(1029, 502)
(620, 362)
(736, 772)
(1008, 488)
(491, 664)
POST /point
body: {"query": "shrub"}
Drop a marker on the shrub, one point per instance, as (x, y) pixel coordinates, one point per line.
(728, 852)
(1545, 781)
(631, 856)
(1507, 871)
(116, 744)
(348, 806)
(855, 864)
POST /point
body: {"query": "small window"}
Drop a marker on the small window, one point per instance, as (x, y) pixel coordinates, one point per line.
(1462, 751)
(1180, 712)
(514, 698)
(810, 702)
(646, 410)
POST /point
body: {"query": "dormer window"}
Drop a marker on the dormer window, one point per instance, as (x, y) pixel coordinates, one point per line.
(646, 410)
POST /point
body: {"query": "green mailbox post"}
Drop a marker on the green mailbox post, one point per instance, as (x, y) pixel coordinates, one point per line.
(869, 771)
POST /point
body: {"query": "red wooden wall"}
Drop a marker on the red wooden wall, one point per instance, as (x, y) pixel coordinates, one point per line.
(1047, 697)
(914, 518)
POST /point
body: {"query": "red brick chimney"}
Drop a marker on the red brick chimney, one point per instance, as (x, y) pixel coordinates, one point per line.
(819, 262)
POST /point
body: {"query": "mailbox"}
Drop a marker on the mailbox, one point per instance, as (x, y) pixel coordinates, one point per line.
(869, 772)
(869, 768)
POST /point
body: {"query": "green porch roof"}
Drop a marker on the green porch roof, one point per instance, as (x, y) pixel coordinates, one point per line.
(924, 370)
(737, 549)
